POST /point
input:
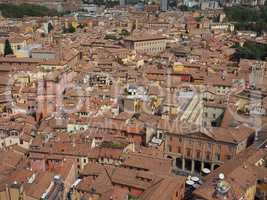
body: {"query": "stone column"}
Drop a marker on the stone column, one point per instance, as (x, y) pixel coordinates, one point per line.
(192, 167)
(183, 164)
(202, 165)
(174, 163)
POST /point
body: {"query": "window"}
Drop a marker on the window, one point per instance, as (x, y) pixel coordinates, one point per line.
(198, 154)
(228, 157)
(170, 138)
(218, 156)
(188, 152)
(84, 160)
(21, 141)
(209, 146)
(179, 149)
(170, 148)
(219, 148)
(208, 155)
(231, 149)
(214, 115)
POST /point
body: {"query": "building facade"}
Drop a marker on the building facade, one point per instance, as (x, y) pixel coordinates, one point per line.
(198, 150)
(146, 44)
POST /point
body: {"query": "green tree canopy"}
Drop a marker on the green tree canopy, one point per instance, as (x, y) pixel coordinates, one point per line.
(71, 29)
(8, 50)
(250, 50)
(248, 18)
(19, 11)
(50, 27)
(124, 32)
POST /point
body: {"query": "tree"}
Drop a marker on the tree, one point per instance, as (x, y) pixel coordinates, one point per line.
(124, 32)
(133, 27)
(19, 11)
(50, 27)
(81, 26)
(183, 8)
(8, 50)
(110, 37)
(248, 18)
(71, 29)
(250, 50)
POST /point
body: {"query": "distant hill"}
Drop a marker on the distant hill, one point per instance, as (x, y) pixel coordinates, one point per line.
(59, 5)
(19, 11)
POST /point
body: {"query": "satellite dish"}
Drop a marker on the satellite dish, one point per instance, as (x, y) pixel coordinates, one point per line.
(57, 177)
(221, 176)
(206, 170)
(195, 179)
(188, 182)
